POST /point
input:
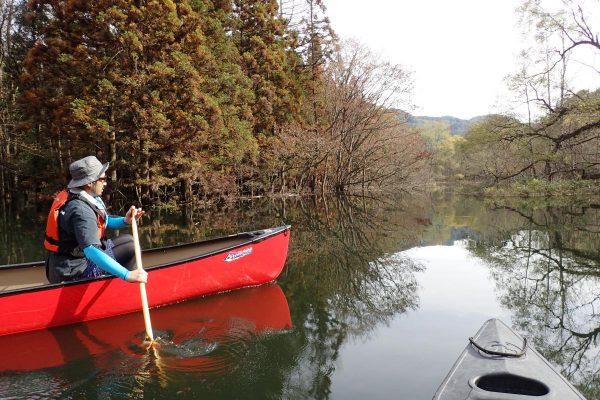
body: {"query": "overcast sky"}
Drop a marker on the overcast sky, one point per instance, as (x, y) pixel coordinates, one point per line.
(459, 50)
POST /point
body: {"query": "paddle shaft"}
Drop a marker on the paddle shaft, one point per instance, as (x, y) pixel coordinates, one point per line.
(138, 262)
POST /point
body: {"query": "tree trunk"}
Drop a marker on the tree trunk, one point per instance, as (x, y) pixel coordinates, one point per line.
(186, 188)
(324, 183)
(113, 147)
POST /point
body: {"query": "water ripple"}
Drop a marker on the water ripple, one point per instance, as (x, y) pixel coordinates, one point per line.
(36, 386)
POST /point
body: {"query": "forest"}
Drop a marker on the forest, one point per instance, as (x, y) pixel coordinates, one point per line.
(204, 100)
(197, 100)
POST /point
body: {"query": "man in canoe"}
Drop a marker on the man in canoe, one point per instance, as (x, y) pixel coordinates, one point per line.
(75, 232)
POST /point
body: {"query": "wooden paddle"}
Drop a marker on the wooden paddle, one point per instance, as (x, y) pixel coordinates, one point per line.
(138, 262)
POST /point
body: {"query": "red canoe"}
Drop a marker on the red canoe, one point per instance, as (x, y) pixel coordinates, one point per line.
(177, 273)
(217, 319)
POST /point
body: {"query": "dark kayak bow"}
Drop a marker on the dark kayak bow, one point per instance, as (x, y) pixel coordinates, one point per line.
(498, 364)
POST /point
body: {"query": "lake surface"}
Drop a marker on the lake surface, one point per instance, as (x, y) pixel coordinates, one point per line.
(377, 300)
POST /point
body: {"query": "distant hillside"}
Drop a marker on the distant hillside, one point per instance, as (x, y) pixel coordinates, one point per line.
(457, 126)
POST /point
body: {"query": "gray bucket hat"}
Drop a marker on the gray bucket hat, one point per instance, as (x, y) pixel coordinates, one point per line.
(86, 170)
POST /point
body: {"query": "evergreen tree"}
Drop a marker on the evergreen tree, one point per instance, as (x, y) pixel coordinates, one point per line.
(139, 83)
(267, 59)
(232, 89)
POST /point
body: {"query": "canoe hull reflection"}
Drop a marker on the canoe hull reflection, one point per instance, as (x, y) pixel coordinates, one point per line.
(214, 319)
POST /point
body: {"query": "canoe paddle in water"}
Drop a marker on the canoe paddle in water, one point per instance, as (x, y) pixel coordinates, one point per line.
(138, 263)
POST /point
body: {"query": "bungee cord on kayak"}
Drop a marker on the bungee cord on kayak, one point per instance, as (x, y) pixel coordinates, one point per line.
(520, 353)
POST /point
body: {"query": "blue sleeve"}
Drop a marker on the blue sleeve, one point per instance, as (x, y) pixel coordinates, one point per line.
(115, 222)
(103, 260)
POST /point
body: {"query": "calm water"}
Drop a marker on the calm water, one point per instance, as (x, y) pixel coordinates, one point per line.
(377, 300)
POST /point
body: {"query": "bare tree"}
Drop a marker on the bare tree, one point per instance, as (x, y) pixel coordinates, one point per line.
(367, 135)
(561, 136)
(362, 141)
(564, 39)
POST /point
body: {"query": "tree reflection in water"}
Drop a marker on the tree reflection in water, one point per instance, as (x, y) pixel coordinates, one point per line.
(546, 264)
(345, 279)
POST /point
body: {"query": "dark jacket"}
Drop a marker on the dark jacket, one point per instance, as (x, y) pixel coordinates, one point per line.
(78, 226)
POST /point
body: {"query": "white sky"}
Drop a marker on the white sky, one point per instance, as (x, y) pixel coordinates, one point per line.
(459, 50)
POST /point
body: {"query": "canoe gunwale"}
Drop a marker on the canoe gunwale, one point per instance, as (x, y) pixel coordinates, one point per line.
(21, 265)
(258, 237)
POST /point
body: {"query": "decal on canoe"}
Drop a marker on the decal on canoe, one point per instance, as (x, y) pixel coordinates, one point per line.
(235, 255)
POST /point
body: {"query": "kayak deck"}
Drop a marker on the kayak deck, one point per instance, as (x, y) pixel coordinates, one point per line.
(499, 364)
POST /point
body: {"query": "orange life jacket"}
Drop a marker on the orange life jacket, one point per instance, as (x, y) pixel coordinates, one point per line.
(52, 241)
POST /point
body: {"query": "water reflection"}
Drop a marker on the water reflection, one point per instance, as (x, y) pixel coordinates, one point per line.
(346, 278)
(21, 236)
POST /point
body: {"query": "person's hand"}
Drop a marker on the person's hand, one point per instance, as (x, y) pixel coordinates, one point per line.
(137, 275)
(138, 212)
